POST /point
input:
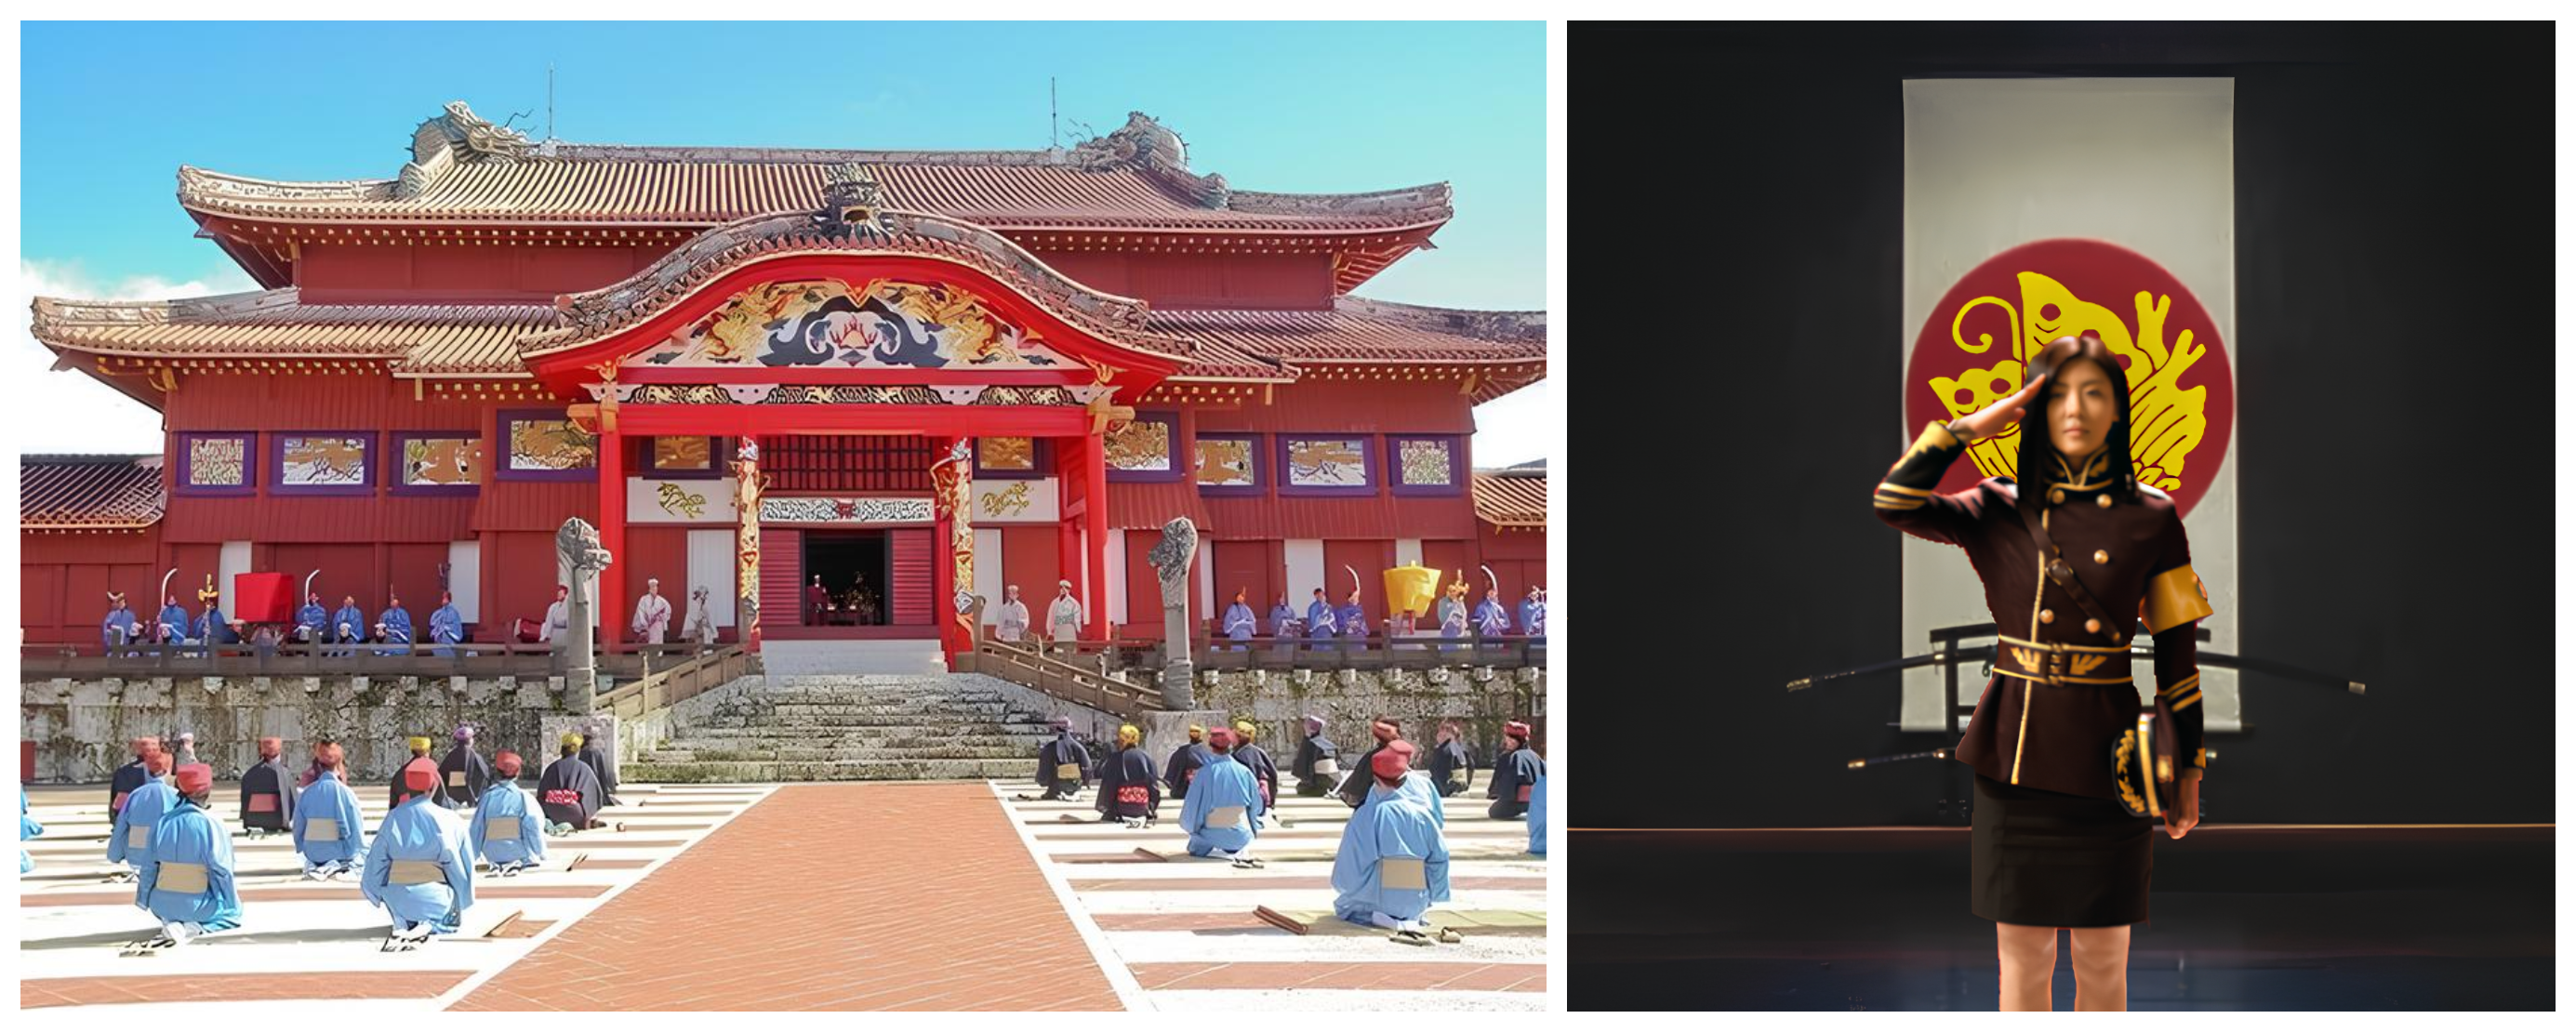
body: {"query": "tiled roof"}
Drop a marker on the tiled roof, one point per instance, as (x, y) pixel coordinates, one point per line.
(457, 339)
(89, 491)
(276, 324)
(1362, 330)
(1510, 498)
(465, 169)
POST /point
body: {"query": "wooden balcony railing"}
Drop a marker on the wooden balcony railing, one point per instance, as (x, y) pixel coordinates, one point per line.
(677, 683)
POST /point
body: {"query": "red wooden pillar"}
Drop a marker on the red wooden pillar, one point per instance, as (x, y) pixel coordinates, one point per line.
(1095, 510)
(612, 536)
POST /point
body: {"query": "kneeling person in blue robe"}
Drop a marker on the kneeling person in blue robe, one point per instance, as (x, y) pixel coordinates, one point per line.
(1392, 865)
(507, 834)
(1538, 814)
(420, 867)
(129, 836)
(187, 880)
(328, 828)
(1223, 812)
(27, 829)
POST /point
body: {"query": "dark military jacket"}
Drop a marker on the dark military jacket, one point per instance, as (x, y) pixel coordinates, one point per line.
(2062, 691)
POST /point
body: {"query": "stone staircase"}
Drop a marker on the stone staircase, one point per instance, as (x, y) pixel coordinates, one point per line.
(852, 728)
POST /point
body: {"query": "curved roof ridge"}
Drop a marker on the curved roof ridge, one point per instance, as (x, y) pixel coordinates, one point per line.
(1487, 324)
(59, 312)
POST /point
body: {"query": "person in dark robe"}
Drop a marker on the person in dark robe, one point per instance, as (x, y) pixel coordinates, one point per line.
(321, 762)
(1318, 761)
(462, 775)
(187, 881)
(1253, 758)
(1130, 793)
(568, 792)
(1450, 771)
(1183, 766)
(419, 760)
(1515, 775)
(507, 833)
(1355, 788)
(603, 764)
(132, 775)
(818, 601)
(1063, 764)
(268, 792)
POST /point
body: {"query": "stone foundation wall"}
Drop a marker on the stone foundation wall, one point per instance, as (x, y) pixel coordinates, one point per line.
(1479, 699)
(80, 727)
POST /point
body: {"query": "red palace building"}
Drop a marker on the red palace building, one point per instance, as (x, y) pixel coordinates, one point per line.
(752, 368)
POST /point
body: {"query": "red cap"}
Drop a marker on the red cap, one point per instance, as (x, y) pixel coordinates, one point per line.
(1516, 729)
(1221, 738)
(269, 748)
(507, 763)
(1391, 763)
(419, 778)
(196, 779)
(1401, 746)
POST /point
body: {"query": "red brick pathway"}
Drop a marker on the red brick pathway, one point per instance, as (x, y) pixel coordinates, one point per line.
(320, 985)
(826, 897)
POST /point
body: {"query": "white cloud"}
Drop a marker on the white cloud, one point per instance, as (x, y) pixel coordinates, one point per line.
(71, 411)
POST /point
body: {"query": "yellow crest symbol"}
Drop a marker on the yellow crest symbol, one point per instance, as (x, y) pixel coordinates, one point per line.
(680, 502)
(2085, 664)
(2029, 660)
(2167, 422)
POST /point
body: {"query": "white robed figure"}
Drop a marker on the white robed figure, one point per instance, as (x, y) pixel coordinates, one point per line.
(701, 628)
(558, 617)
(420, 867)
(652, 613)
(1064, 615)
(1011, 618)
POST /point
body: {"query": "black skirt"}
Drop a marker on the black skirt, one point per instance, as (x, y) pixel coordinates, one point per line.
(2037, 857)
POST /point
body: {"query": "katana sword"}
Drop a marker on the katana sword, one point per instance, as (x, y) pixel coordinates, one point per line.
(2221, 660)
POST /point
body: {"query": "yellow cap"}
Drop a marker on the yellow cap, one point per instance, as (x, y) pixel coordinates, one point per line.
(1128, 735)
(1246, 727)
(420, 744)
(572, 738)
(1196, 730)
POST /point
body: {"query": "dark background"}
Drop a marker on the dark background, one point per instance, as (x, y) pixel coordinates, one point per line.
(1735, 242)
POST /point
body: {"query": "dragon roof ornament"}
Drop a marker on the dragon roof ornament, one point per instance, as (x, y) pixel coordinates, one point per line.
(848, 221)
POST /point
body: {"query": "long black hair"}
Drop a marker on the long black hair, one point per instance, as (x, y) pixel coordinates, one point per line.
(2039, 456)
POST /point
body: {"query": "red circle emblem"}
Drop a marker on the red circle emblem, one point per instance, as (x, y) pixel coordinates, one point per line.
(2182, 400)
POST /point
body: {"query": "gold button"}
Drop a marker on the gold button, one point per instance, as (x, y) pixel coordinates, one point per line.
(2056, 495)
(2103, 499)
(2101, 556)
(2093, 626)
(2047, 616)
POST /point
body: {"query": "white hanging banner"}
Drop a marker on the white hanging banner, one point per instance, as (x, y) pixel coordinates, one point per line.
(2040, 208)
(668, 500)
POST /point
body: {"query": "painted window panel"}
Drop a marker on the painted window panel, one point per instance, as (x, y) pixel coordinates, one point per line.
(323, 462)
(1146, 449)
(435, 463)
(217, 463)
(540, 444)
(1228, 464)
(1426, 464)
(1337, 464)
(1012, 458)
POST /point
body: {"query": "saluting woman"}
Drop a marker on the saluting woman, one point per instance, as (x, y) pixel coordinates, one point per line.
(2053, 845)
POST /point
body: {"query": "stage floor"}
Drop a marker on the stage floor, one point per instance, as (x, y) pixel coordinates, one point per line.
(2245, 917)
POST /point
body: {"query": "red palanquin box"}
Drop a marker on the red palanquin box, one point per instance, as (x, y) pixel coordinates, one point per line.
(263, 597)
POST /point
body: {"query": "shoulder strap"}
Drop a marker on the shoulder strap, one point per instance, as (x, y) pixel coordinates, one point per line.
(2064, 575)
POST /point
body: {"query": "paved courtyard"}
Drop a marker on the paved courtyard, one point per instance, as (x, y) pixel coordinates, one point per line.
(843, 896)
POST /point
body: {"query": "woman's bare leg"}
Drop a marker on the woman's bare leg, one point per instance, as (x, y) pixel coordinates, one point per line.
(2101, 968)
(2029, 956)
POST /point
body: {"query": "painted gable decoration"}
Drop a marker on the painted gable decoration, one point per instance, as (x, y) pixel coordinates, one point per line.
(886, 324)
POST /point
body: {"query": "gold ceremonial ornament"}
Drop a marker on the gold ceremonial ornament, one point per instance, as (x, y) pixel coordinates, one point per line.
(2103, 500)
(2094, 626)
(2047, 616)
(2101, 556)
(2056, 495)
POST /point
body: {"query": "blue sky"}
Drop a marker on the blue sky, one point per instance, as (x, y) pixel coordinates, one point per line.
(109, 113)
